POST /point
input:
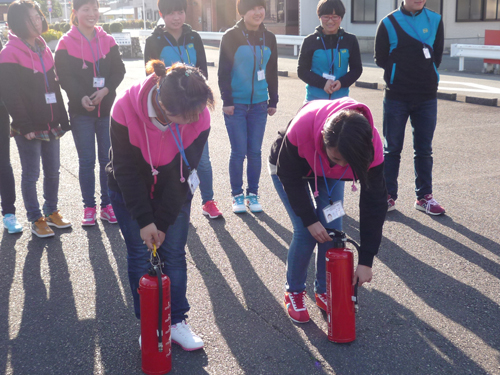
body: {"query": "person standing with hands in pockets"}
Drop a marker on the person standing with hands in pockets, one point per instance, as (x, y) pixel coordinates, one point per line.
(248, 81)
(329, 59)
(409, 47)
(90, 69)
(178, 42)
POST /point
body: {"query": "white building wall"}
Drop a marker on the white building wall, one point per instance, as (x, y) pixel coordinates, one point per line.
(455, 32)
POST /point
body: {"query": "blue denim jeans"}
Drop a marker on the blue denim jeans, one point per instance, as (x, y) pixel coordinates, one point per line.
(7, 183)
(206, 176)
(246, 129)
(303, 243)
(423, 117)
(172, 252)
(30, 153)
(86, 130)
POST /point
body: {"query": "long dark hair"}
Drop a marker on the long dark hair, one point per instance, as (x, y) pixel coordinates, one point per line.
(351, 134)
(18, 18)
(183, 88)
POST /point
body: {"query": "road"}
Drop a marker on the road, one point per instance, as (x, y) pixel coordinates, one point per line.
(432, 307)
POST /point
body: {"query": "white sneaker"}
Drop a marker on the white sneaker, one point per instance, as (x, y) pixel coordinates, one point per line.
(252, 201)
(239, 204)
(181, 334)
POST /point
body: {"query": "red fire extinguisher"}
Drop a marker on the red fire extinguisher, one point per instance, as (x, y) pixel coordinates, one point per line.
(155, 319)
(341, 295)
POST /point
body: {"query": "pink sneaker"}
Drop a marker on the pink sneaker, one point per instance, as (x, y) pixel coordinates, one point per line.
(429, 205)
(296, 307)
(88, 216)
(108, 214)
(391, 203)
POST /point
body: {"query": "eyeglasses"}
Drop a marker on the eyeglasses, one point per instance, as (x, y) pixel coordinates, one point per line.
(330, 18)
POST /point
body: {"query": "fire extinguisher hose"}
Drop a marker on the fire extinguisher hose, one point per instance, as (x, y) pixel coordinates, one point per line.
(355, 297)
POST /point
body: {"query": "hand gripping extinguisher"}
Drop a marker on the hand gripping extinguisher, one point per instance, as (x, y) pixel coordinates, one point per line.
(154, 292)
(341, 295)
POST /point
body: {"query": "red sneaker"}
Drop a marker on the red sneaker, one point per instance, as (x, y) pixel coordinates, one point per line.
(429, 205)
(321, 300)
(210, 209)
(391, 203)
(296, 306)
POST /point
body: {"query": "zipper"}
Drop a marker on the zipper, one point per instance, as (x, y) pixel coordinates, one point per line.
(253, 75)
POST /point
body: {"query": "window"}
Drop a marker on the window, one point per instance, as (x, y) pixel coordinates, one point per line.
(364, 11)
(275, 11)
(478, 10)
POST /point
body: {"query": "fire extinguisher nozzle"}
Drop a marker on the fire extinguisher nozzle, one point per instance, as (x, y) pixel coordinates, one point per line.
(160, 347)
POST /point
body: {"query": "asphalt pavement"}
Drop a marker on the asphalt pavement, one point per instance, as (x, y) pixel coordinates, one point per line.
(432, 307)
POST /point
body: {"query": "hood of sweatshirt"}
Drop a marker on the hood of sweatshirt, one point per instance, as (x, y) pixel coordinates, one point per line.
(305, 133)
(17, 52)
(78, 46)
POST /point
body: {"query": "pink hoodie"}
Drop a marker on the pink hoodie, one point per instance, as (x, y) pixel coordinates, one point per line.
(305, 133)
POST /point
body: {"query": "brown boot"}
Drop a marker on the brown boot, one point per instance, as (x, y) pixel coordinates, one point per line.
(56, 220)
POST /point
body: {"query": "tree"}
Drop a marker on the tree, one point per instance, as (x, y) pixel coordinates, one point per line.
(56, 8)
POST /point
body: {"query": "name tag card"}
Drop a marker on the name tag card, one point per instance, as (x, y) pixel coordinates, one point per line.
(193, 181)
(329, 76)
(50, 98)
(99, 82)
(333, 211)
(261, 75)
(427, 54)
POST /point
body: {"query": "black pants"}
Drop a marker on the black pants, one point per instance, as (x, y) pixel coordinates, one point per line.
(7, 185)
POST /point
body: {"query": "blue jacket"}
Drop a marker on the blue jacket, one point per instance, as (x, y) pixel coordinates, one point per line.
(318, 52)
(399, 49)
(161, 45)
(242, 54)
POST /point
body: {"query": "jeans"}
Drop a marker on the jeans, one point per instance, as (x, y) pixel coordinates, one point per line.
(246, 129)
(303, 243)
(86, 130)
(206, 176)
(423, 117)
(30, 153)
(172, 252)
(7, 183)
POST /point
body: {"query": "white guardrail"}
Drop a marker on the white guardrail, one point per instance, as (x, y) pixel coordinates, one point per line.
(477, 51)
(291, 40)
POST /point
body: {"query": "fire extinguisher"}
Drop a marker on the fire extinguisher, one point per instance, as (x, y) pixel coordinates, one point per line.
(341, 295)
(154, 291)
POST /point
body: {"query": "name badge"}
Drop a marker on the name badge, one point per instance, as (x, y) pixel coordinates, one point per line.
(333, 211)
(50, 98)
(427, 54)
(329, 76)
(98, 82)
(193, 181)
(261, 75)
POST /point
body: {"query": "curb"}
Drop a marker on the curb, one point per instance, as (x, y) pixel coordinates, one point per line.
(283, 73)
(367, 85)
(447, 96)
(493, 102)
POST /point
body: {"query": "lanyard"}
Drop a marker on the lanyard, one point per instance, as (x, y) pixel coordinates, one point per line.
(330, 191)
(40, 55)
(413, 27)
(326, 51)
(179, 143)
(179, 52)
(96, 62)
(261, 48)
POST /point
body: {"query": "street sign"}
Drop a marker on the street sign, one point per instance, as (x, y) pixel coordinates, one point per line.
(50, 10)
(49, 3)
